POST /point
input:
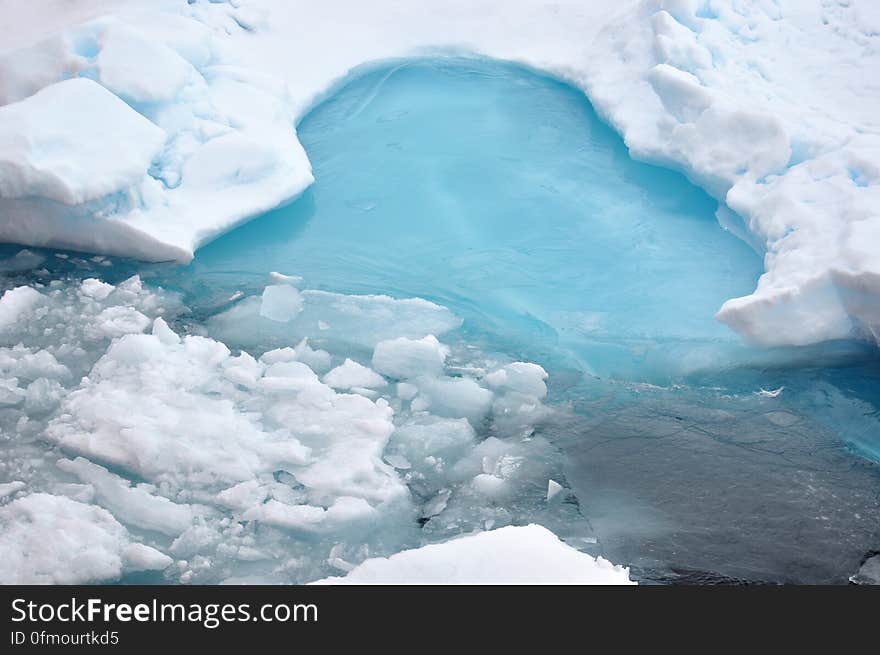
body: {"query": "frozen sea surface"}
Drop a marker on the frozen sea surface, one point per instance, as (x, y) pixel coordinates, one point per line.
(497, 194)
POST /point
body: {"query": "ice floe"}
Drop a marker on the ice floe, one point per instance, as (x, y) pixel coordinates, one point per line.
(513, 555)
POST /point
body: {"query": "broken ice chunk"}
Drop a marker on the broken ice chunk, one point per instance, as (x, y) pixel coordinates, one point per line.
(135, 505)
(404, 358)
(399, 462)
(350, 374)
(16, 303)
(42, 396)
(281, 303)
(523, 377)
(140, 69)
(310, 518)
(138, 557)
(46, 539)
(281, 278)
(94, 288)
(9, 488)
(164, 333)
(869, 572)
(10, 393)
(118, 320)
(317, 360)
(243, 370)
(489, 485)
(288, 376)
(769, 393)
(243, 495)
(454, 397)
(336, 561)
(437, 504)
(23, 260)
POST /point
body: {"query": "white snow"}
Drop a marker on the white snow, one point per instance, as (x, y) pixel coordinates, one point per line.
(162, 144)
(350, 374)
(46, 539)
(35, 21)
(96, 146)
(770, 107)
(16, 303)
(94, 288)
(528, 554)
(139, 69)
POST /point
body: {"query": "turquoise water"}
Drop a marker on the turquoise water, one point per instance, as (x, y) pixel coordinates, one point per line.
(498, 193)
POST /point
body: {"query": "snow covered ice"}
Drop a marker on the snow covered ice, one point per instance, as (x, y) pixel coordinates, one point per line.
(56, 159)
(162, 146)
(493, 289)
(48, 539)
(767, 107)
(528, 555)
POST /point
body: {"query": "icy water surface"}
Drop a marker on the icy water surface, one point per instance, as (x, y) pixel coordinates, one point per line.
(497, 193)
